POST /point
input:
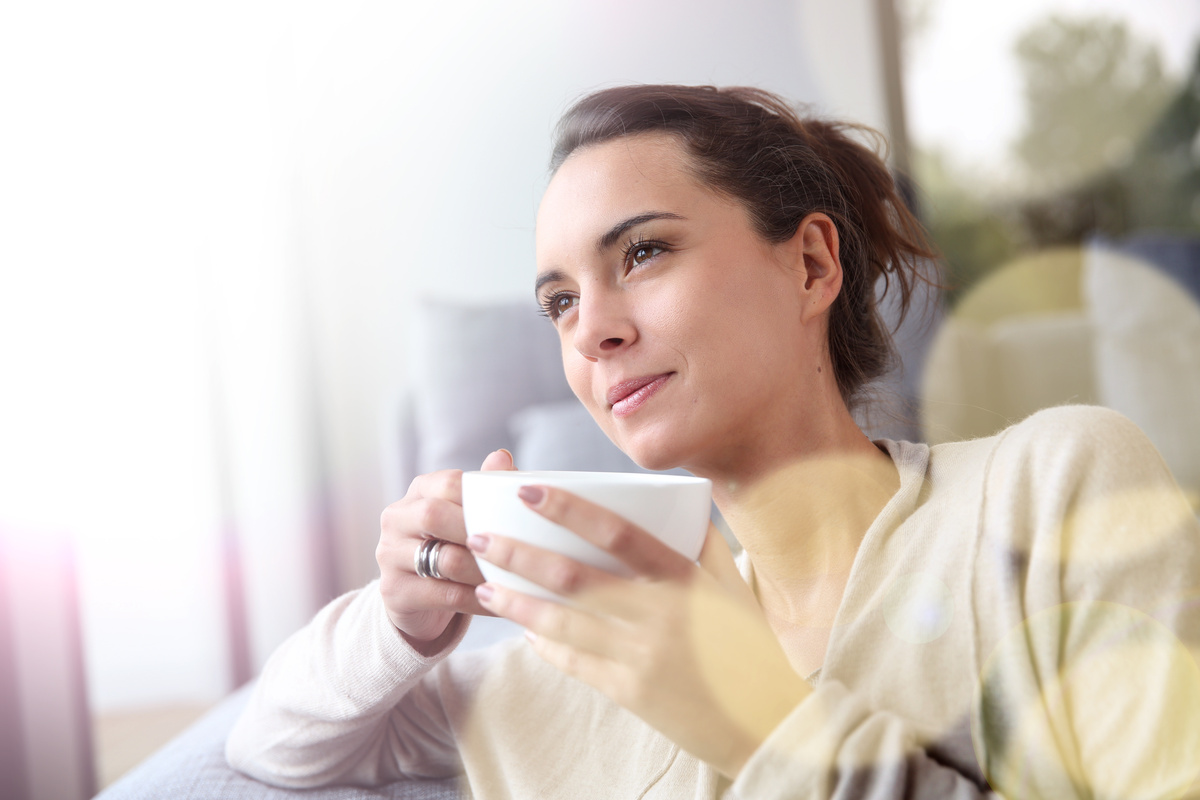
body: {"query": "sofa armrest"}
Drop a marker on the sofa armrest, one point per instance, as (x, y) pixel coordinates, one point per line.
(192, 767)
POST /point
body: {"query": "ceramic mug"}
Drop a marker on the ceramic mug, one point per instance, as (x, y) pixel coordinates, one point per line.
(673, 508)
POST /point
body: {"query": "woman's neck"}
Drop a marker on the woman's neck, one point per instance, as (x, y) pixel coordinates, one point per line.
(802, 518)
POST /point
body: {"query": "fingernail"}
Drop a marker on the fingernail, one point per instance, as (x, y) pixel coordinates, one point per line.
(530, 635)
(533, 495)
(484, 592)
(478, 543)
(507, 453)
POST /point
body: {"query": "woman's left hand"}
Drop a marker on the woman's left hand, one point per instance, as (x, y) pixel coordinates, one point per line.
(684, 646)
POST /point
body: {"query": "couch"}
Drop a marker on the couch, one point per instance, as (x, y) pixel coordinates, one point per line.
(192, 767)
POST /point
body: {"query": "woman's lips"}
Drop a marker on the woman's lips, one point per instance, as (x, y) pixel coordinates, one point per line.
(628, 396)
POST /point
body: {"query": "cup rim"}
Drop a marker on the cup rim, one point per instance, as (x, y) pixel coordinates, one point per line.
(580, 476)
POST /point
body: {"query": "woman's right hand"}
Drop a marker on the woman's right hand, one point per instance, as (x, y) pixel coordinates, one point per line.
(423, 608)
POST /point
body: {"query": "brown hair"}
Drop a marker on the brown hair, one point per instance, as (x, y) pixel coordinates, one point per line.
(750, 145)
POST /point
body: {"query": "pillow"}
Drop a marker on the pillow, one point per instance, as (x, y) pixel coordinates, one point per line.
(1147, 354)
(1041, 361)
(983, 377)
(563, 436)
(473, 367)
(958, 385)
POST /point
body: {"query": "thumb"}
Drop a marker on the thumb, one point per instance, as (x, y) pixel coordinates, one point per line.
(498, 459)
(717, 560)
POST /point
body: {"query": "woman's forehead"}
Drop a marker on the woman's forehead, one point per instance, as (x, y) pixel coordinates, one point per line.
(600, 183)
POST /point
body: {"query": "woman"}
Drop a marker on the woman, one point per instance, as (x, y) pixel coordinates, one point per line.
(903, 622)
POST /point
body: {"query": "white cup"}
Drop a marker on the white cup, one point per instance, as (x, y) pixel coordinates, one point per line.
(674, 508)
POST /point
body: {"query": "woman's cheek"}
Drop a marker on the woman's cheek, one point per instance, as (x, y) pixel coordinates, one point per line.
(579, 378)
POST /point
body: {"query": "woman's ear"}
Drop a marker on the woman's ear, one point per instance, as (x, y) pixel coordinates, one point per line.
(819, 268)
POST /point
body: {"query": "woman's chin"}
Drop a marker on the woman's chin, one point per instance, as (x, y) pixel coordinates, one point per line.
(656, 466)
(654, 456)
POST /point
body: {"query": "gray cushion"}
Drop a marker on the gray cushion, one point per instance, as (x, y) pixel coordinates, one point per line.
(563, 436)
(473, 367)
(192, 767)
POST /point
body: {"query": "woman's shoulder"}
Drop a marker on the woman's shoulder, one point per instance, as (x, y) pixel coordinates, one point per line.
(1058, 442)
(1056, 424)
(1093, 425)
(1080, 471)
(1086, 486)
(1074, 444)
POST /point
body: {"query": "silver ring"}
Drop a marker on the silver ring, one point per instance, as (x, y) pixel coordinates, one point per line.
(425, 560)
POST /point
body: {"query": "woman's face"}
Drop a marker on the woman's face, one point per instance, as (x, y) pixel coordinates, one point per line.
(683, 332)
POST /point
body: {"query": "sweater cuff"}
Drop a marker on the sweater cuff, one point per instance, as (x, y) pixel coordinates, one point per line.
(399, 661)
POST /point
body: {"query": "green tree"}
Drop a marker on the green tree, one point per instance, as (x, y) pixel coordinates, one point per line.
(1092, 90)
(1164, 175)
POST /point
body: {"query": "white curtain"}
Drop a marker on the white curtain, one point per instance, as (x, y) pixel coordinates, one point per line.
(159, 402)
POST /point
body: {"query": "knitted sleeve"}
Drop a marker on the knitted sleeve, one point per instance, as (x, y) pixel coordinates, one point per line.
(347, 700)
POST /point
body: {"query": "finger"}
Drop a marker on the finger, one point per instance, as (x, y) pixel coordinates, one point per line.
(586, 586)
(454, 563)
(636, 548)
(430, 517)
(498, 459)
(444, 484)
(569, 625)
(411, 595)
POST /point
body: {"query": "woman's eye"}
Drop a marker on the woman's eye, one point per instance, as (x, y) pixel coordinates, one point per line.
(557, 305)
(642, 253)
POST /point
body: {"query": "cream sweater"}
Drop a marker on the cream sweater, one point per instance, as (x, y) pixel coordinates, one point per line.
(1022, 617)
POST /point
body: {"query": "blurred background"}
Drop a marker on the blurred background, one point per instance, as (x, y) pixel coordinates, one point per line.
(219, 222)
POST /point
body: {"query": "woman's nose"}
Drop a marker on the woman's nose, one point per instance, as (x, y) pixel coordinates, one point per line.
(602, 328)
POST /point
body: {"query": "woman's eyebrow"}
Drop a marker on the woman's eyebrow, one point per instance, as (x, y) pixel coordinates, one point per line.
(610, 237)
(614, 233)
(548, 277)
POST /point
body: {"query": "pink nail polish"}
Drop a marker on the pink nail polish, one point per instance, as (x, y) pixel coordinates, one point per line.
(531, 494)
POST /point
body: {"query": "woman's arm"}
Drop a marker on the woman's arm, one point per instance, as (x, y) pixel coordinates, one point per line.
(346, 700)
(350, 698)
